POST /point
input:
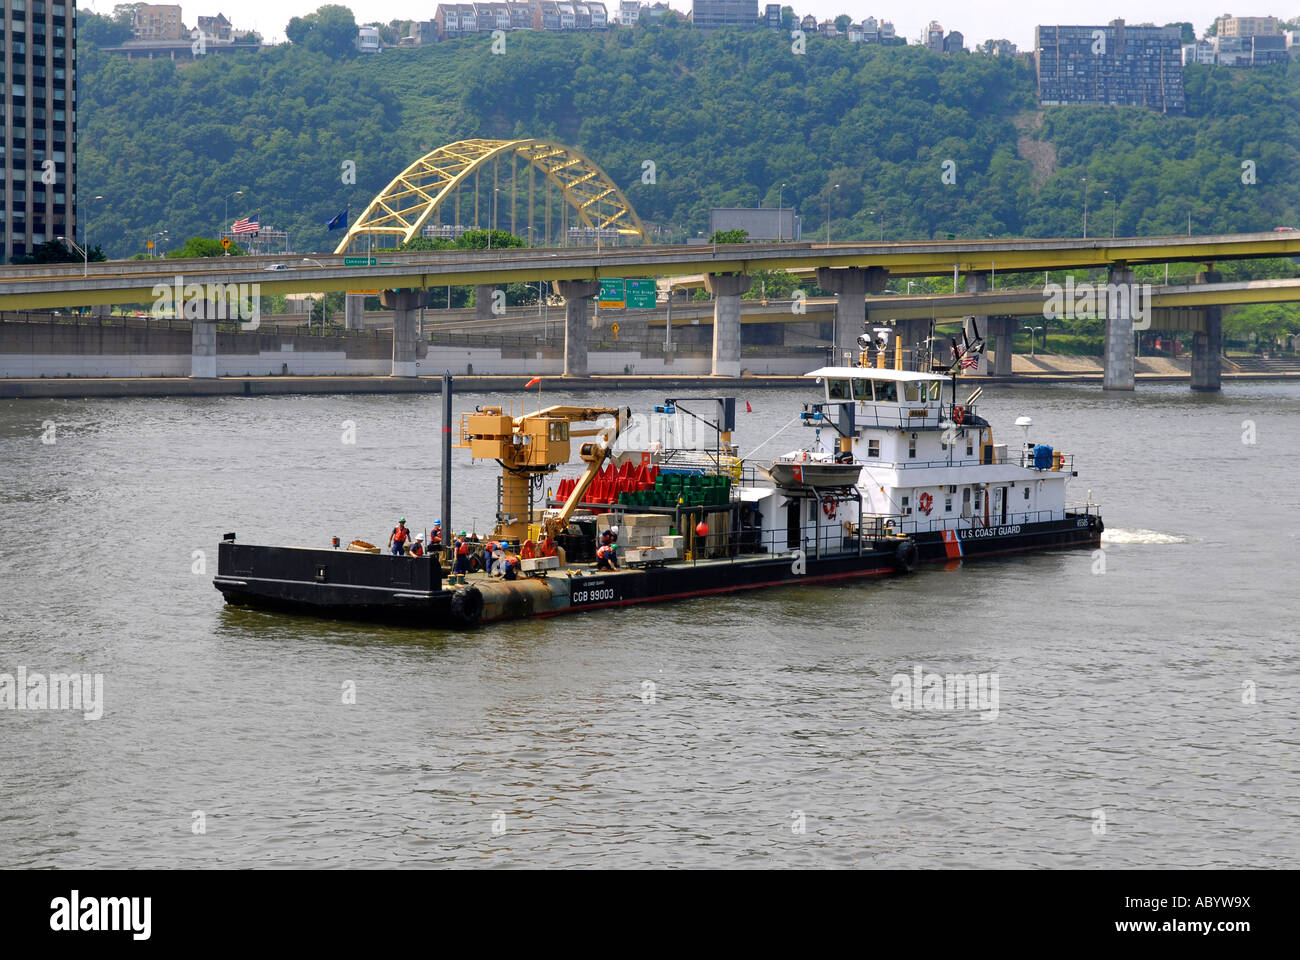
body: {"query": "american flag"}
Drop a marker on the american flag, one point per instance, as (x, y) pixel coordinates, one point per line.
(247, 225)
(969, 360)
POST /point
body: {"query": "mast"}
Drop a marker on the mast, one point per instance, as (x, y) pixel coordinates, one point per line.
(446, 458)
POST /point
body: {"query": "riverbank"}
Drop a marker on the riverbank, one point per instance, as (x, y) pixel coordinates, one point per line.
(280, 386)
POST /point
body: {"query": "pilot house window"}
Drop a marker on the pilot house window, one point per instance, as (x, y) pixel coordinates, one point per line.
(911, 448)
(873, 449)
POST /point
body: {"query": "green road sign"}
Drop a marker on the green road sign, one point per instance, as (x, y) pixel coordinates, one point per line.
(641, 294)
(611, 293)
(359, 261)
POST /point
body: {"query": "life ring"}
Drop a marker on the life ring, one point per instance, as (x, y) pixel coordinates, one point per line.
(959, 413)
(829, 507)
(926, 503)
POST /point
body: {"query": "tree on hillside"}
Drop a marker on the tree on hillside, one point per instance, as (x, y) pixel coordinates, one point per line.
(1187, 30)
(479, 240)
(102, 31)
(196, 247)
(787, 18)
(1213, 29)
(842, 22)
(730, 236)
(56, 251)
(331, 30)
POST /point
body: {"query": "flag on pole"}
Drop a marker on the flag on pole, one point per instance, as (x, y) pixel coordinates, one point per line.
(748, 408)
(969, 360)
(533, 382)
(247, 225)
(338, 221)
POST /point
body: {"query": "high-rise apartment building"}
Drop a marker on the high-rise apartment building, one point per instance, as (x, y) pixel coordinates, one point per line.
(39, 150)
(1113, 65)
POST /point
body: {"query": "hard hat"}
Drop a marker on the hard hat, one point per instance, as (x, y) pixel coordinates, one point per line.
(419, 537)
(402, 520)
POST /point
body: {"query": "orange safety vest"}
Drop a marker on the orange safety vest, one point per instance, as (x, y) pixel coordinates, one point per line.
(462, 548)
(400, 534)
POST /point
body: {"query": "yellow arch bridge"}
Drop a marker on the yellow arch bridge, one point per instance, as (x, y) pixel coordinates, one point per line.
(578, 201)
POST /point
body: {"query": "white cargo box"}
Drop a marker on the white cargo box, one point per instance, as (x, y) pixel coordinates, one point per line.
(533, 564)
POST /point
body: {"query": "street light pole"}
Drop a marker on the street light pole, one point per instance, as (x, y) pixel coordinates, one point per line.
(780, 221)
(226, 220)
(828, 212)
(1085, 207)
(85, 240)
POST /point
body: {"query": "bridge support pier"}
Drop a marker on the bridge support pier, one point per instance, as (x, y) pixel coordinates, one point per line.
(1207, 347)
(405, 305)
(483, 301)
(576, 294)
(203, 349)
(978, 283)
(1118, 370)
(354, 311)
(1003, 329)
(850, 286)
(726, 289)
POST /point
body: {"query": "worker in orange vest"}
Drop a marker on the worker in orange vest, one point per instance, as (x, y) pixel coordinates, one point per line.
(398, 538)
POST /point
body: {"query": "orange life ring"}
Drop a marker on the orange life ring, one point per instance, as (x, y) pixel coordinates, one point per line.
(959, 413)
(926, 503)
(829, 507)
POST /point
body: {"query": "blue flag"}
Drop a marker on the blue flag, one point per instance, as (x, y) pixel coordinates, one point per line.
(340, 220)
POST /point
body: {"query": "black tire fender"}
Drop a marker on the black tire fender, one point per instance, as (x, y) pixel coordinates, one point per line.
(905, 557)
(467, 605)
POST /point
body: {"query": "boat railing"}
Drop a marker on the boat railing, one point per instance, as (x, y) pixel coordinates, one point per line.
(815, 540)
(912, 524)
(1018, 458)
(889, 417)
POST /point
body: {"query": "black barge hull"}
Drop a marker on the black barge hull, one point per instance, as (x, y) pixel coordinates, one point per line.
(344, 585)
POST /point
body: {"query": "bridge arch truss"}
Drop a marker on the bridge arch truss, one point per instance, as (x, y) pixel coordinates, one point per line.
(430, 190)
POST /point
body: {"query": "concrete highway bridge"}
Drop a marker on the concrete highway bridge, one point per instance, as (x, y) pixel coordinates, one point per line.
(408, 280)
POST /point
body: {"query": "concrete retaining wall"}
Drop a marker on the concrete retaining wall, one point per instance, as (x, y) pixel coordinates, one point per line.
(58, 350)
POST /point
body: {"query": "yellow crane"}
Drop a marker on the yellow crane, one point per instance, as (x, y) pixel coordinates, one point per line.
(533, 445)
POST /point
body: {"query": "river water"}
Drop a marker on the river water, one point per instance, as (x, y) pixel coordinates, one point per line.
(1146, 710)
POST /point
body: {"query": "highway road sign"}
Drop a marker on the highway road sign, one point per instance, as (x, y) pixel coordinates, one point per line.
(613, 328)
(225, 243)
(612, 293)
(359, 261)
(641, 294)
